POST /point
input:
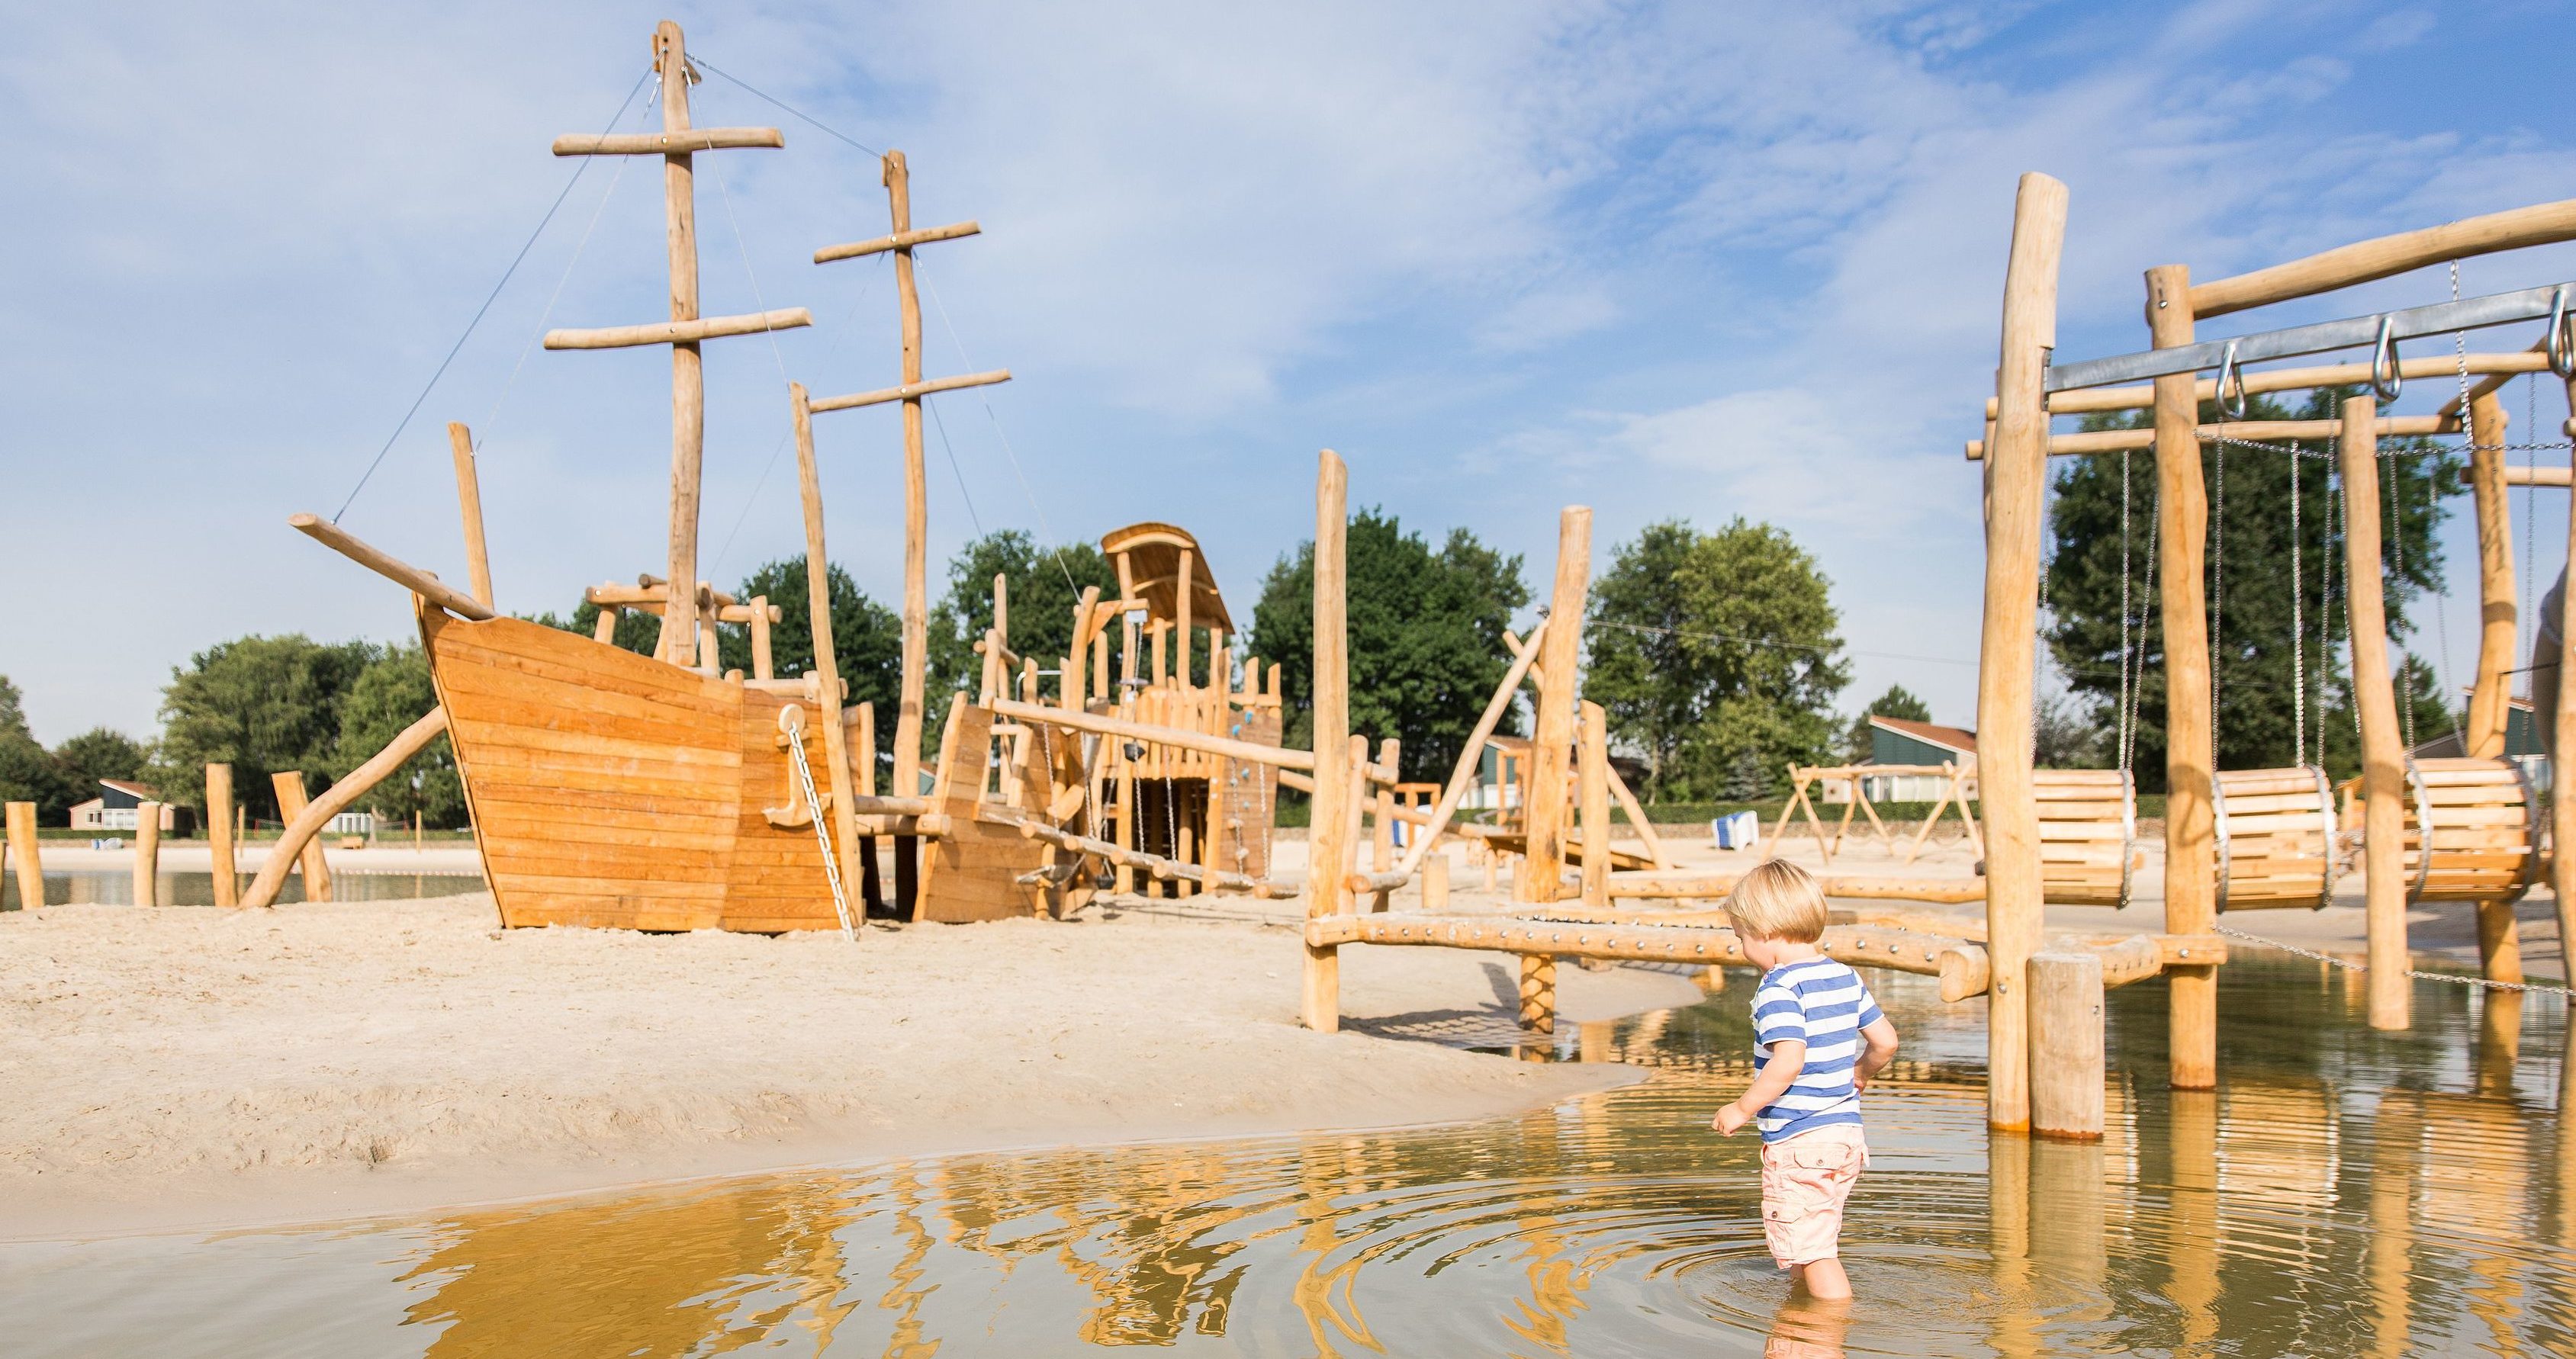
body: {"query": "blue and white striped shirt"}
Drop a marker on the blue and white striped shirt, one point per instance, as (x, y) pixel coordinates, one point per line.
(1822, 1003)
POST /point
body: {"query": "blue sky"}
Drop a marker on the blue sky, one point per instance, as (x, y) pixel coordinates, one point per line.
(1688, 260)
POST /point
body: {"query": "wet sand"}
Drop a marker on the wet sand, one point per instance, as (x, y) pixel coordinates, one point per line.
(196, 1066)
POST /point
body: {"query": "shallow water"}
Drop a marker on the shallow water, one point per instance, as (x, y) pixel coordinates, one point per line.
(2346, 1193)
(115, 887)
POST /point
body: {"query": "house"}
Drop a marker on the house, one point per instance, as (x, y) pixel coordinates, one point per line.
(115, 806)
(1898, 741)
(2521, 743)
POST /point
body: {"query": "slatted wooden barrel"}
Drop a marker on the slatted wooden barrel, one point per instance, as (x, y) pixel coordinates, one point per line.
(2088, 835)
(2472, 830)
(2276, 838)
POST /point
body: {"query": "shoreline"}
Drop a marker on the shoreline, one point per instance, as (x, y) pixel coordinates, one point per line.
(191, 1069)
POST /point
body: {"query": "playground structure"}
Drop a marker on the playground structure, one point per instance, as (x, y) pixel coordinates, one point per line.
(2259, 838)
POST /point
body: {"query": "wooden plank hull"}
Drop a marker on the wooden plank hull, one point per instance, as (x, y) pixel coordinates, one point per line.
(613, 790)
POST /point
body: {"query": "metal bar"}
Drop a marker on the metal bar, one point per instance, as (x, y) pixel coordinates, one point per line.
(2440, 318)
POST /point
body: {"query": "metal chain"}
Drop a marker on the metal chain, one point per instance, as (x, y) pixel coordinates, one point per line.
(2350, 966)
(2218, 596)
(822, 833)
(2298, 631)
(2128, 567)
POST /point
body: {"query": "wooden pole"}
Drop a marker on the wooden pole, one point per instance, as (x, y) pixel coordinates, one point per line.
(2489, 696)
(147, 854)
(289, 787)
(1328, 859)
(1181, 626)
(469, 504)
(1596, 805)
(678, 639)
(818, 609)
(2562, 808)
(23, 852)
(2016, 478)
(916, 495)
(2382, 755)
(761, 665)
(219, 833)
(1435, 883)
(2066, 1076)
(1382, 834)
(1540, 878)
(302, 827)
(2191, 749)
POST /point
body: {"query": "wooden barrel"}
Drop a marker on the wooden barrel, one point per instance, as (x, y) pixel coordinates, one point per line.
(2088, 835)
(2472, 830)
(2276, 838)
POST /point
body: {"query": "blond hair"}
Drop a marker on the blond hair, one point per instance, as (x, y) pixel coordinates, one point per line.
(1778, 900)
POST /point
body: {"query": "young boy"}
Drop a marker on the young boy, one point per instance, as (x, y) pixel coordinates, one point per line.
(1819, 1037)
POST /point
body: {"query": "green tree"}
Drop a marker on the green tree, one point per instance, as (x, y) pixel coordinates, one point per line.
(27, 772)
(1898, 702)
(1044, 583)
(636, 631)
(99, 753)
(262, 704)
(867, 637)
(2265, 679)
(1707, 647)
(393, 692)
(1426, 636)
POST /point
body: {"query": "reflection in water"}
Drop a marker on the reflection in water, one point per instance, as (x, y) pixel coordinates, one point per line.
(2345, 1193)
(115, 887)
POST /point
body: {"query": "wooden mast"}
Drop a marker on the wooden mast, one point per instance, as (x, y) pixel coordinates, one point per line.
(916, 492)
(678, 640)
(2191, 752)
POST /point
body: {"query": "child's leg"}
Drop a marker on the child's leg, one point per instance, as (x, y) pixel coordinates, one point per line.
(1825, 1280)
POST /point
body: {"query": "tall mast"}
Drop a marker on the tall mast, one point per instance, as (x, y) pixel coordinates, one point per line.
(678, 640)
(676, 144)
(916, 512)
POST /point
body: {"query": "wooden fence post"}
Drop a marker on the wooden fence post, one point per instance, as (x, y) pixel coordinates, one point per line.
(219, 833)
(2016, 479)
(2382, 753)
(1596, 806)
(289, 786)
(147, 854)
(1435, 882)
(23, 852)
(2066, 1062)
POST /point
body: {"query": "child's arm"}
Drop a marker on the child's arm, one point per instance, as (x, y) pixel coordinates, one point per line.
(1788, 1058)
(1878, 1048)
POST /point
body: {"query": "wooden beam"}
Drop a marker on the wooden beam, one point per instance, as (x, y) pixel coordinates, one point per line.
(2532, 360)
(912, 391)
(469, 505)
(2344, 266)
(401, 573)
(2263, 431)
(2535, 476)
(2066, 1074)
(1637, 817)
(903, 240)
(309, 819)
(289, 786)
(2191, 823)
(2382, 752)
(1328, 852)
(1658, 886)
(688, 331)
(2016, 483)
(1471, 756)
(1544, 812)
(1183, 737)
(680, 143)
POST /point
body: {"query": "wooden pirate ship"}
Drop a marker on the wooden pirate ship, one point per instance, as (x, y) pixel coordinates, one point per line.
(662, 792)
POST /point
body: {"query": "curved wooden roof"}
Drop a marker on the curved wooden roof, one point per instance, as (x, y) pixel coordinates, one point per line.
(1148, 559)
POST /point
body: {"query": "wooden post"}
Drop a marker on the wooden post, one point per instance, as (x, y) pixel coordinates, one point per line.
(1596, 806)
(1540, 878)
(1382, 837)
(1182, 590)
(147, 854)
(469, 504)
(219, 833)
(2489, 696)
(289, 787)
(603, 629)
(1435, 883)
(2562, 809)
(916, 503)
(818, 609)
(415, 832)
(2382, 755)
(2016, 478)
(1328, 859)
(23, 852)
(1538, 992)
(678, 639)
(2066, 1076)
(2191, 750)
(761, 665)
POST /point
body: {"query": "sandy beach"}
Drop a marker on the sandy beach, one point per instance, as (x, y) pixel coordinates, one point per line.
(189, 1065)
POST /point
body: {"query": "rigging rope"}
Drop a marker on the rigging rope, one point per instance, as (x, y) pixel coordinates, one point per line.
(1013, 454)
(488, 300)
(699, 60)
(787, 719)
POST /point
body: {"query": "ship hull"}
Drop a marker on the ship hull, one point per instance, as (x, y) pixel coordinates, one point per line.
(613, 790)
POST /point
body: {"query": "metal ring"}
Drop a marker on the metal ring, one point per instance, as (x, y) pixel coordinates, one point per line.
(2386, 387)
(2226, 369)
(2562, 346)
